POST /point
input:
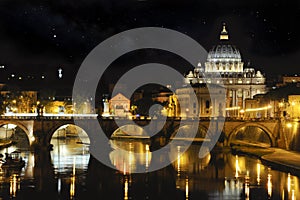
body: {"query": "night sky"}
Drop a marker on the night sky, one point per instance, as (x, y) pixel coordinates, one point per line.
(37, 37)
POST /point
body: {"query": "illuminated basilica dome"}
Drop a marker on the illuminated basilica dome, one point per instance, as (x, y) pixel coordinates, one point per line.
(224, 57)
(223, 67)
(224, 53)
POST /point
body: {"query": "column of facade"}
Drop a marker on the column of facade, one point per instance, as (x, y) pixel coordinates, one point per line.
(236, 98)
(243, 97)
(233, 98)
(214, 108)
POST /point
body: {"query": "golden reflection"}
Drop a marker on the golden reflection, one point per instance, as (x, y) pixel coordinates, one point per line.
(187, 188)
(269, 184)
(126, 189)
(127, 157)
(289, 182)
(237, 167)
(72, 182)
(292, 187)
(258, 173)
(178, 160)
(72, 187)
(147, 156)
(293, 195)
(187, 160)
(29, 170)
(247, 188)
(14, 185)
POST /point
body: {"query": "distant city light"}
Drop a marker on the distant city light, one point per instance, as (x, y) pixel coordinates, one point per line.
(60, 75)
(2, 66)
(233, 108)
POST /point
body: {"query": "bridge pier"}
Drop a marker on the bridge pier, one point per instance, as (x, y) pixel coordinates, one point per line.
(40, 142)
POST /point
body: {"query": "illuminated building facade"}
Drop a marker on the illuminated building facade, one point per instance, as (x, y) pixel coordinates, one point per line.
(119, 105)
(224, 66)
(208, 101)
(294, 106)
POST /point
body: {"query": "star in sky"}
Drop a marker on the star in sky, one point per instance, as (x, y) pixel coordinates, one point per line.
(261, 30)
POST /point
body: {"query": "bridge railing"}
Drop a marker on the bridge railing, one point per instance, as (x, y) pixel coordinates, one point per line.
(32, 116)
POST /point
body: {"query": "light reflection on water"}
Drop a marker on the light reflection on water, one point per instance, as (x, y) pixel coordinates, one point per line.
(216, 176)
(67, 154)
(243, 177)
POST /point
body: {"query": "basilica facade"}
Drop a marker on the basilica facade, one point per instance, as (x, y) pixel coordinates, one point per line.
(224, 68)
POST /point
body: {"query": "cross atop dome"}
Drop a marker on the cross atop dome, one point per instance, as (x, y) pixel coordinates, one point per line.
(224, 33)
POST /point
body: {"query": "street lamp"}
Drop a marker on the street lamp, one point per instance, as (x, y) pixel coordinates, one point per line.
(242, 111)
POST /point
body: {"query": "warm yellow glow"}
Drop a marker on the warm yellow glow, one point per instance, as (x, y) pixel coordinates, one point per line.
(49, 115)
(233, 108)
(280, 104)
(13, 185)
(293, 195)
(147, 147)
(269, 185)
(130, 161)
(32, 138)
(186, 188)
(247, 188)
(72, 186)
(289, 125)
(258, 173)
(289, 182)
(247, 191)
(237, 167)
(126, 189)
(178, 160)
(258, 109)
(74, 161)
(223, 37)
(147, 156)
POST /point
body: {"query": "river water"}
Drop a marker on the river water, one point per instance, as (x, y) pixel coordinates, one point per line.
(70, 172)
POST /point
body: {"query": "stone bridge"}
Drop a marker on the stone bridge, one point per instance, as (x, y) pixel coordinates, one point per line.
(41, 129)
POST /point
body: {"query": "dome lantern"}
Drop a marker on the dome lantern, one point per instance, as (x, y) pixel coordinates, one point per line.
(224, 57)
(224, 33)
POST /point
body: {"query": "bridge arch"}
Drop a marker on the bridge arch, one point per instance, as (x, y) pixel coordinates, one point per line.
(59, 126)
(22, 126)
(201, 132)
(264, 129)
(130, 130)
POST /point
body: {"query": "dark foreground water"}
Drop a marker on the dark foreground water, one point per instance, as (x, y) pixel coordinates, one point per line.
(69, 172)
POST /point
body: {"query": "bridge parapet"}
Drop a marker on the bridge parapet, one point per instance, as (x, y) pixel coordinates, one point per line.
(41, 128)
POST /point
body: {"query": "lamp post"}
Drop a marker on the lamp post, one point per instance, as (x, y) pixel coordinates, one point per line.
(242, 111)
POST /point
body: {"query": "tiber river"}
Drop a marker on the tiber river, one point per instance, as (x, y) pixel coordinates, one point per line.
(70, 172)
